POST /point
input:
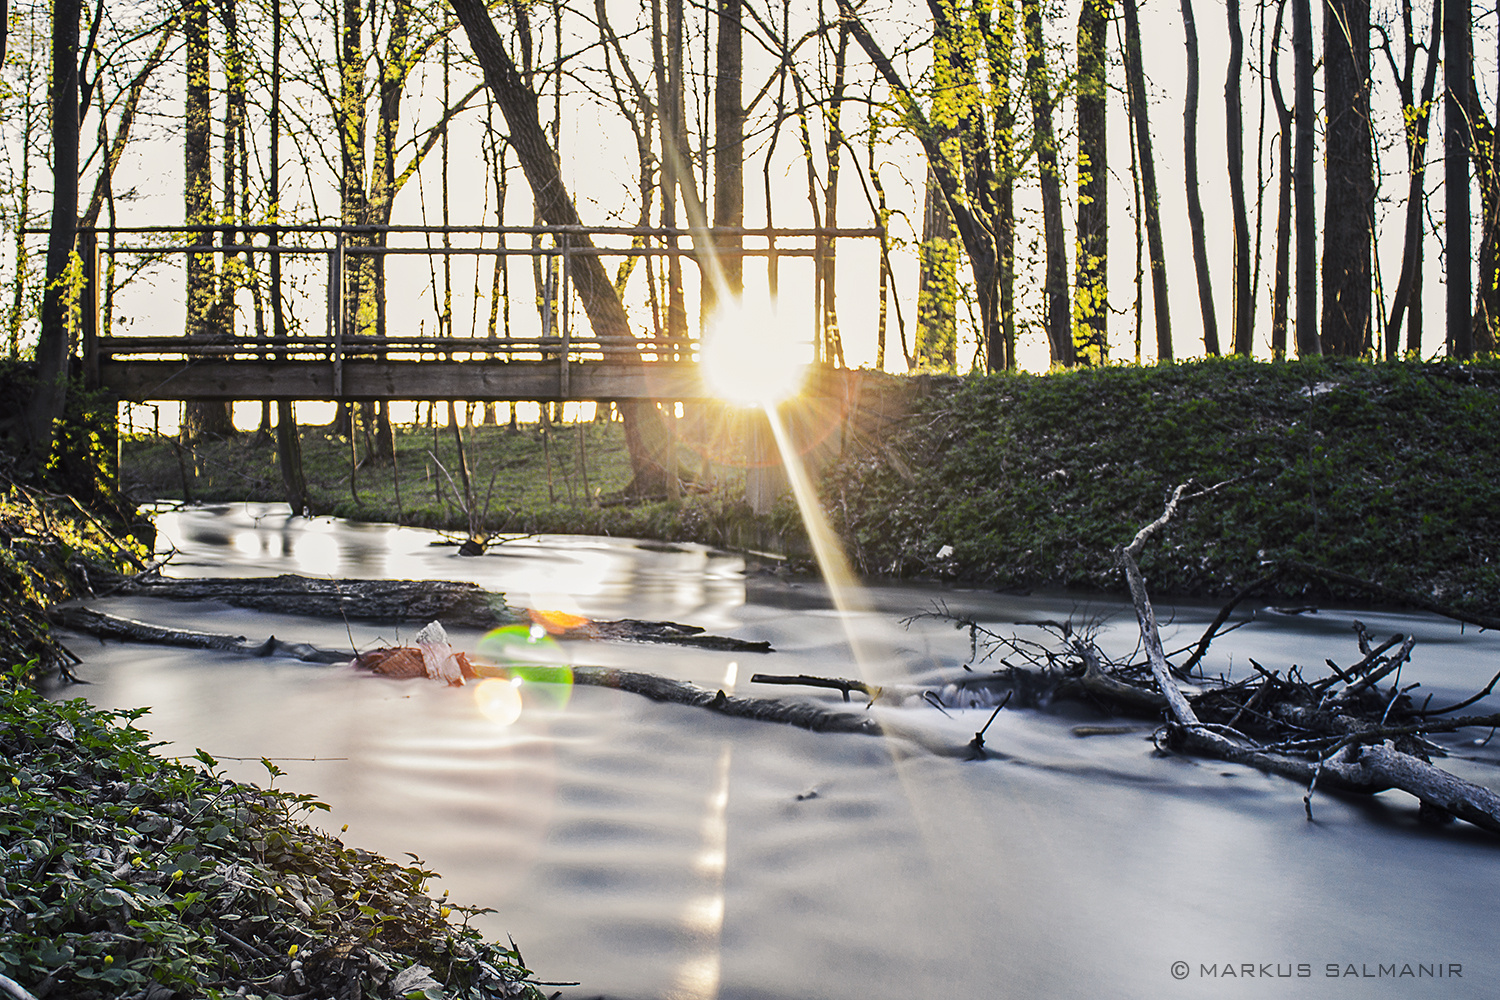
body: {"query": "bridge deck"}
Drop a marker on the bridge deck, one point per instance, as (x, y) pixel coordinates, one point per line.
(474, 378)
(369, 378)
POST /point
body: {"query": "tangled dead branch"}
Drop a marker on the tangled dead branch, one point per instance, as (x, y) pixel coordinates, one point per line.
(1356, 729)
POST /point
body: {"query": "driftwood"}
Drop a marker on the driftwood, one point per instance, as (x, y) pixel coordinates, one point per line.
(841, 684)
(457, 604)
(655, 687)
(105, 626)
(793, 713)
(1350, 764)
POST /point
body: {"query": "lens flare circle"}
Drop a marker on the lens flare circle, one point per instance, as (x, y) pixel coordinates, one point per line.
(750, 357)
(526, 659)
(499, 700)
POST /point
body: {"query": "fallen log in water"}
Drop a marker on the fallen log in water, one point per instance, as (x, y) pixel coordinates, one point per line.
(457, 604)
(653, 686)
(104, 626)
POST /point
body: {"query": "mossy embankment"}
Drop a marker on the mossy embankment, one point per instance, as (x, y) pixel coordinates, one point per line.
(1384, 472)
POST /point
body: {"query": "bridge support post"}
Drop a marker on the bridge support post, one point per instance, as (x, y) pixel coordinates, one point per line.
(765, 477)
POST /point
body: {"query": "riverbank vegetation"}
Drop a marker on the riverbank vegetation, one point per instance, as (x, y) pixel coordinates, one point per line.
(1376, 472)
(529, 478)
(124, 874)
(1341, 478)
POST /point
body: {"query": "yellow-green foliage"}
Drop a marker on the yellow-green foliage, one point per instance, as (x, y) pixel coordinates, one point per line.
(47, 547)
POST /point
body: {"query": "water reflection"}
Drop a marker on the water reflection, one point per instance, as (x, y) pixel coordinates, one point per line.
(653, 851)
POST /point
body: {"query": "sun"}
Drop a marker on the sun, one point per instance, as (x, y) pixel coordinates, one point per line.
(750, 356)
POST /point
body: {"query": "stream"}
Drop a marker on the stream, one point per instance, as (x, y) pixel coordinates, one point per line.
(652, 851)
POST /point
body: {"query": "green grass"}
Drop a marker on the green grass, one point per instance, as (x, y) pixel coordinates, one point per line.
(120, 869)
(508, 471)
(1383, 471)
(565, 479)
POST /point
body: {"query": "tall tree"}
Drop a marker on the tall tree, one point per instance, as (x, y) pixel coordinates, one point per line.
(1136, 82)
(645, 432)
(200, 418)
(1416, 113)
(998, 26)
(1349, 205)
(1194, 200)
(1457, 142)
(834, 142)
(1243, 321)
(729, 140)
(1485, 155)
(1058, 316)
(1305, 225)
(54, 342)
(967, 180)
(1091, 298)
(676, 171)
(288, 440)
(1281, 282)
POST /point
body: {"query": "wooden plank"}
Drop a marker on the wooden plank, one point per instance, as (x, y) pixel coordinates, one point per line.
(409, 380)
(422, 380)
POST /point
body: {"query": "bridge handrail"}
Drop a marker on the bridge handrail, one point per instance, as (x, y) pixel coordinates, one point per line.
(339, 342)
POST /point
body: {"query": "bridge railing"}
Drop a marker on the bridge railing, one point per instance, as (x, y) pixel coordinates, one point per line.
(355, 327)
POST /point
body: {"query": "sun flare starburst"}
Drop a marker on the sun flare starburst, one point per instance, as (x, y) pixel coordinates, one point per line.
(751, 357)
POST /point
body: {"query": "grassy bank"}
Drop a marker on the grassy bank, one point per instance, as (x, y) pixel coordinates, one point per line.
(564, 478)
(1380, 471)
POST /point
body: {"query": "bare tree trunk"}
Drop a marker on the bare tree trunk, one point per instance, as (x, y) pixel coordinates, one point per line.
(1058, 316)
(1194, 200)
(1308, 340)
(54, 343)
(200, 419)
(1281, 285)
(1349, 206)
(288, 442)
(1137, 77)
(1091, 298)
(668, 67)
(1406, 302)
(729, 142)
(645, 433)
(1457, 71)
(1243, 324)
(832, 146)
(20, 279)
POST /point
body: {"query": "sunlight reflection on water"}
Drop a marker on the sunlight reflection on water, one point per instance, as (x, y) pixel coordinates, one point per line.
(653, 850)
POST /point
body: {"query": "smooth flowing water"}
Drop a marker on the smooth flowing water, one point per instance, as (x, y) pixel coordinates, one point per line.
(658, 851)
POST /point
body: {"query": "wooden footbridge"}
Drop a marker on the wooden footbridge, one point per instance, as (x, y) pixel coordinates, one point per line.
(349, 353)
